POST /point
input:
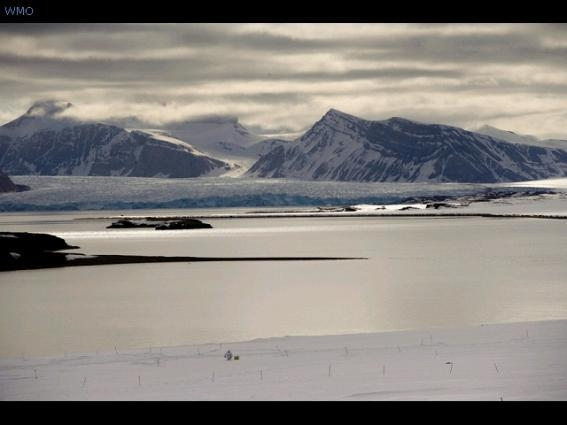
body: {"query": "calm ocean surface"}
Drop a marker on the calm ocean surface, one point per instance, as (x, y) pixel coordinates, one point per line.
(420, 273)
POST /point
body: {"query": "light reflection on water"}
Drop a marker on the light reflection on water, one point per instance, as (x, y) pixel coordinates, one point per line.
(238, 231)
(420, 273)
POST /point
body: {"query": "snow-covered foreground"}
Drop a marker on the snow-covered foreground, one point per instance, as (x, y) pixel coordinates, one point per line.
(515, 361)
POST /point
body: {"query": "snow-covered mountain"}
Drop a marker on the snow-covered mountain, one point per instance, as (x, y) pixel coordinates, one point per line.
(214, 134)
(224, 138)
(510, 136)
(344, 147)
(44, 141)
(263, 147)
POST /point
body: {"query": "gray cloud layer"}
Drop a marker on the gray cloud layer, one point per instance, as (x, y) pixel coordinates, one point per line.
(285, 76)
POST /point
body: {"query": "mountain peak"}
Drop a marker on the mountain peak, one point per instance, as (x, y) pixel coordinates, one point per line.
(48, 108)
(43, 114)
(335, 113)
(487, 127)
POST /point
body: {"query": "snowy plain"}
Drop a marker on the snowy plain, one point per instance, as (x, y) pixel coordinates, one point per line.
(494, 362)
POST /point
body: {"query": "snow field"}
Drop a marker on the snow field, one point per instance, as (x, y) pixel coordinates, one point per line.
(517, 361)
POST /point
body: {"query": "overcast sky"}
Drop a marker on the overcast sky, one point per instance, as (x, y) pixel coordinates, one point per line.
(283, 77)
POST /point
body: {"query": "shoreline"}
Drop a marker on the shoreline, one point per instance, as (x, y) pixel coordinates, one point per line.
(326, 215)
(105, 260)
(497, 361)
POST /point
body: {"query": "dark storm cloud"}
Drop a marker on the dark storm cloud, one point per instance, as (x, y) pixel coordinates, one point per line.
(494, 72)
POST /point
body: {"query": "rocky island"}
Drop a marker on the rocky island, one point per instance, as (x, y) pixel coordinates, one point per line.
(182, 224)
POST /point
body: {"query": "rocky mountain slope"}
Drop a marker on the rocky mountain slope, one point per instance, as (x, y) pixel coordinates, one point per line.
(44, 141)
(344, 147)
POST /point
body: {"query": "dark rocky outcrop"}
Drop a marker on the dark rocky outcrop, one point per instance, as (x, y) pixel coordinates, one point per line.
(23, 242)
(28, 251)
(128, 224)
(7, 185)
(438, 205)
(183, 224)
(20, 250)
(486, 195)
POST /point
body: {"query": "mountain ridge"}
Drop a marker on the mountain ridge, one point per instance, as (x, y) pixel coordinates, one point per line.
(343, 147)
(44, 142)
(513, 137)
(47, 140)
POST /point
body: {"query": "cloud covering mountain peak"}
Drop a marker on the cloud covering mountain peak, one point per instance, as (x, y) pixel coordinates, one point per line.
(48, 108)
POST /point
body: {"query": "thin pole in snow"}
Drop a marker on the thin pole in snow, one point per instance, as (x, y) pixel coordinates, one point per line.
(329, 370)
(383, 370)
(139, 381)
(157, 360)
(116, 349)
(527, 334)
(261, 375)
(451, 371)
(35, 374)
(84, 381)
(496, 367)
(399, 349)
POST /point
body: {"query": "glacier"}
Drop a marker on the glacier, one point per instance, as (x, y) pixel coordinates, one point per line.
(59, 193)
